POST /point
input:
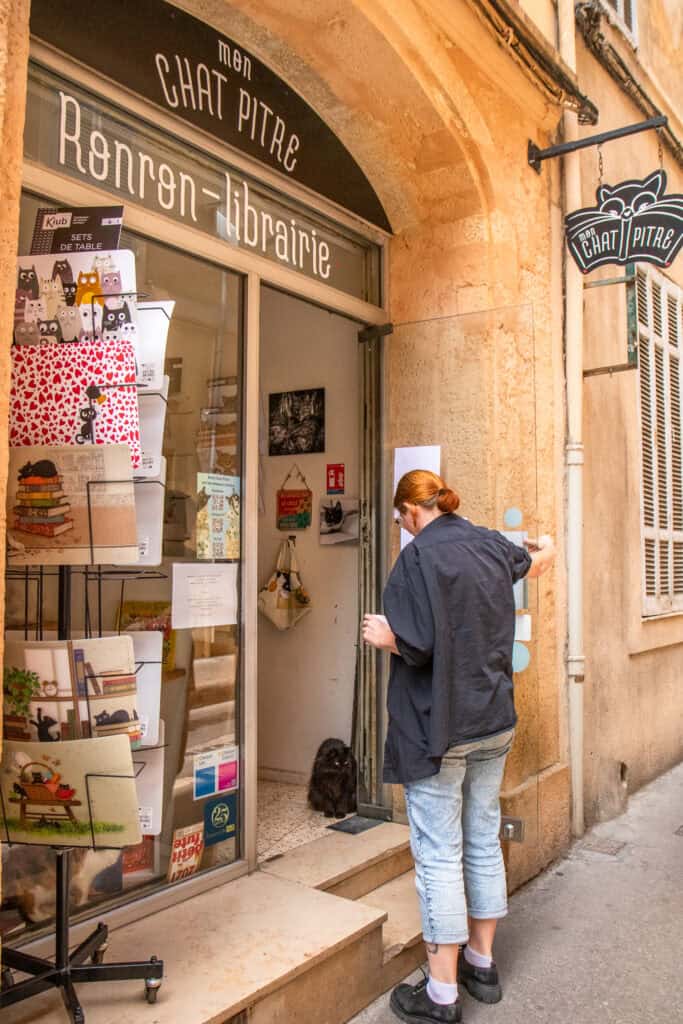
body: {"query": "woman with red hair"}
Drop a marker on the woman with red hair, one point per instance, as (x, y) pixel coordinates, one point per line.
(449, 625)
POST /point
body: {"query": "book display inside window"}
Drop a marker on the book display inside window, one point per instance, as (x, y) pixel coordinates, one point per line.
(125, 464)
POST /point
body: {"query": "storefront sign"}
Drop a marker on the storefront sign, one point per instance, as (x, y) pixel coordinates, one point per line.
(191, 70)
(632, 222)
(78, 134)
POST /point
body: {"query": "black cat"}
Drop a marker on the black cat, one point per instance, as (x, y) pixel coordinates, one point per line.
(43, 725)
(62, 269)
(113, 319)
(27, 282)
(70, 288)
(332, 788)
(50, 330)
(44, 469)
(87, 431)
(334, 515)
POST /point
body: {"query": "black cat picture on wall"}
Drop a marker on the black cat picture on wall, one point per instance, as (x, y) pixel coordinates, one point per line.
(339, 520)
(296, 423)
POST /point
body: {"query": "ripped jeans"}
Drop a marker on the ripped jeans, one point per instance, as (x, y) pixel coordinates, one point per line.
(454, 824)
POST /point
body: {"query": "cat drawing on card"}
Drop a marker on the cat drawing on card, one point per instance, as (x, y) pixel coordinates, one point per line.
(49, 330)
(52, 292)
(70, 322)
(90, 331)
(27, 283)
(26, 334)
(34, 310)
(62, 270)
(111, 286)
(89, 288)
(103, 264)
(69, 288)
(115, 320)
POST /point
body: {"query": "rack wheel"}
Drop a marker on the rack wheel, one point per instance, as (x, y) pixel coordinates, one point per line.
(7, 978)
(98, 955)
(151, 991)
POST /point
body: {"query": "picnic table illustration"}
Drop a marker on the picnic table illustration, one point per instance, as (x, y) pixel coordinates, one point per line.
(38, 802)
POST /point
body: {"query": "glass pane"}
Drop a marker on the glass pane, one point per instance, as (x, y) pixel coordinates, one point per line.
(200, 699)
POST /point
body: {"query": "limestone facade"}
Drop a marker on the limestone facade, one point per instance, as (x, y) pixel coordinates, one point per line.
(438, 109)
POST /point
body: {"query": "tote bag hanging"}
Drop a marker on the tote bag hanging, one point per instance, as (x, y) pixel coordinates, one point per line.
(283, 600)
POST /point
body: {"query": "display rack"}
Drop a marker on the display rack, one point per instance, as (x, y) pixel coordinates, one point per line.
(85, 962)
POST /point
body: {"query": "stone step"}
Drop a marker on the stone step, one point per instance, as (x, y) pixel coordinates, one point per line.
(347, 865)
(403, 927)
(260, 944)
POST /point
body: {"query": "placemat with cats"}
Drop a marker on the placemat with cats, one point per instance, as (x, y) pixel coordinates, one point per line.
(75, 394)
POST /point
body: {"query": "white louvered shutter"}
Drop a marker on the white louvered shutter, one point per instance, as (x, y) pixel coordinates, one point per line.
(660, 338)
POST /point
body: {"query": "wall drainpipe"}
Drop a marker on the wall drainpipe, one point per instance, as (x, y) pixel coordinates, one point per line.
(573, 332)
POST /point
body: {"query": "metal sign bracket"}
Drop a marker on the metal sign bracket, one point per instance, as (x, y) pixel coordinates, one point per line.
(535, 155)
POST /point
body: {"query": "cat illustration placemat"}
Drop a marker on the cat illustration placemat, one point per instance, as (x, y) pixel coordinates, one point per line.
(75, 394)
(76, 297)
(71, 505)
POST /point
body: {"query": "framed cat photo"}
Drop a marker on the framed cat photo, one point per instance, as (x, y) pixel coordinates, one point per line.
(339, 520)
(296, 424)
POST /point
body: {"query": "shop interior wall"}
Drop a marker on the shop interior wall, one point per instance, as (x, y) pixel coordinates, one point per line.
(306, 674)
(633, 697)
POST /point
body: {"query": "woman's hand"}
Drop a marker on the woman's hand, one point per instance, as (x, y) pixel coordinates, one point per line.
(377, 633)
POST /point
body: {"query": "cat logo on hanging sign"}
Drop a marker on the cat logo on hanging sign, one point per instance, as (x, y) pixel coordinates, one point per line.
(632, 222)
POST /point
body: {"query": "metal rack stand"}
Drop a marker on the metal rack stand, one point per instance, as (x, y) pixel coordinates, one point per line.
(69, 968)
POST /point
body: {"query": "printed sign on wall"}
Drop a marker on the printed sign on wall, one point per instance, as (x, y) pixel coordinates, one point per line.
(335, 478)
(631, 222)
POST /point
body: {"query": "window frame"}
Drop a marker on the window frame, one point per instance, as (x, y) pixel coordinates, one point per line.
(614, 9)
(659, 310)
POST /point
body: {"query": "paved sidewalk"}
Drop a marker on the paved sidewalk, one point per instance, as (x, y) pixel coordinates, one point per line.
(597, 938)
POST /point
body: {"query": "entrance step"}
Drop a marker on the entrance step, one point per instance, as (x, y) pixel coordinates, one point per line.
(403, 949)
(260, 944)
(347, 865)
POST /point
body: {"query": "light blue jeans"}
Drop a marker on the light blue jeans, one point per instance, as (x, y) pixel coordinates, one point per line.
(454, 824)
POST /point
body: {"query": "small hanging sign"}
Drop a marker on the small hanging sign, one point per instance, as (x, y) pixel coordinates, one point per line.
(631, 222)
(335, 478)
(294, 505)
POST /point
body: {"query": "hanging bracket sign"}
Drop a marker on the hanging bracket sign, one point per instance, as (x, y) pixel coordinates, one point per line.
(634, 221)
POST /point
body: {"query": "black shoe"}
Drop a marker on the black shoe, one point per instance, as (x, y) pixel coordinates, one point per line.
(411, 1003)
(480, 982)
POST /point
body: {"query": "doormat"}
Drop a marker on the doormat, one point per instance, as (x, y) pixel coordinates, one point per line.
(355, 824)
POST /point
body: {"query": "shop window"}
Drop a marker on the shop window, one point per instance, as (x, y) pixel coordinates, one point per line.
(660, 333)
(623, 14)
(199, 692)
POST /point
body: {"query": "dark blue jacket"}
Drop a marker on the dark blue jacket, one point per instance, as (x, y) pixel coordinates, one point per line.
(450, 603)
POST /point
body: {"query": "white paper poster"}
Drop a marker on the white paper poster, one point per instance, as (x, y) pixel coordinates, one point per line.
(148, 765)
(153, 323)
(204, 595)
(418, 457)
(152, 420)
(149, 516)
(147, 650)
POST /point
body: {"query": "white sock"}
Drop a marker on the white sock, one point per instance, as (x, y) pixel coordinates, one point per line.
(476, 959)
(441, 992)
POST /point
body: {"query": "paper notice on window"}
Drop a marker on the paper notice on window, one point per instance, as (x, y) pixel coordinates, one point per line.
(204, 595)
(426, 456)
